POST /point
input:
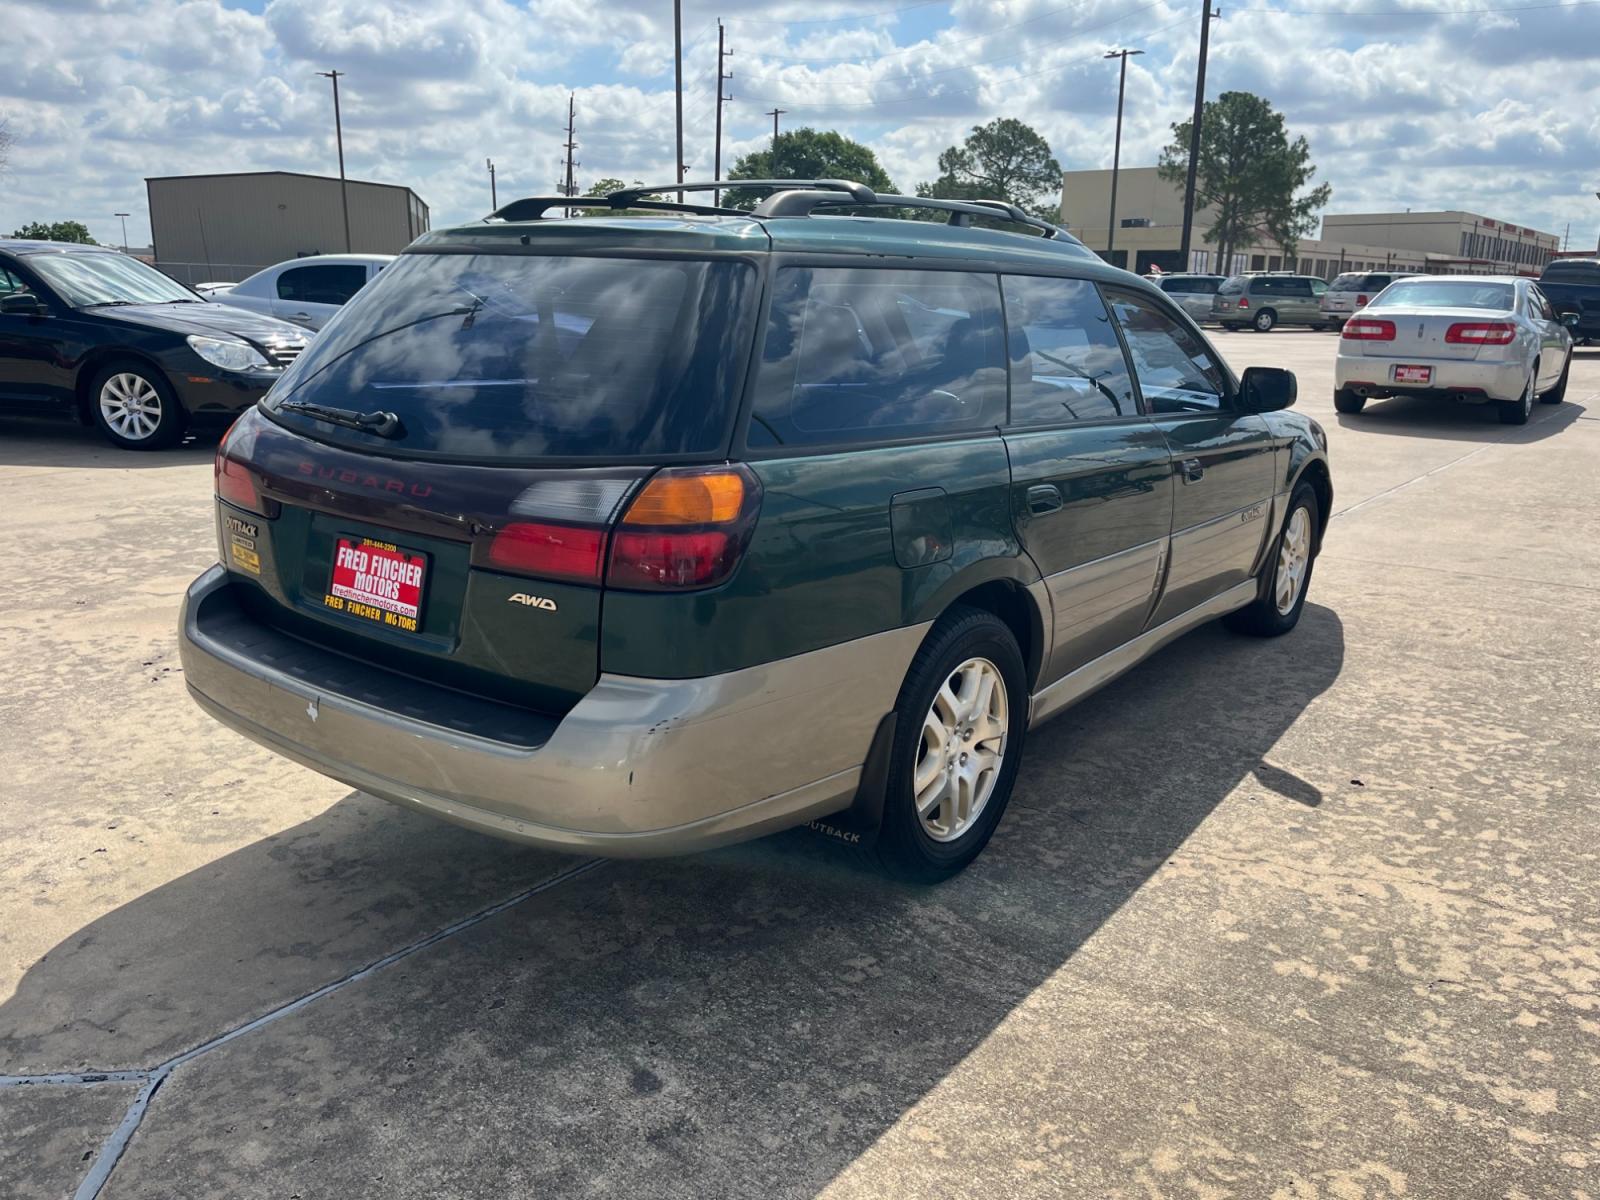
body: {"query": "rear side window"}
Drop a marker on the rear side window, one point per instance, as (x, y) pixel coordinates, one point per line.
(503, 356)
(1066, 362)
(327, 283)
(854, 355)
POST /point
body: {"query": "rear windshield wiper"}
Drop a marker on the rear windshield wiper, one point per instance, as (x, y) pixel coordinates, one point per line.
(382, 424)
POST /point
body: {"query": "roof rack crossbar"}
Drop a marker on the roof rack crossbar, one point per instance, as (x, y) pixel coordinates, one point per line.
(861, 193)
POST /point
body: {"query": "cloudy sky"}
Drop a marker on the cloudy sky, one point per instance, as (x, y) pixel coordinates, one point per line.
(1487, 105)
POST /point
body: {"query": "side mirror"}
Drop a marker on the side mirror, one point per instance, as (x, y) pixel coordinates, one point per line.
(21, 304)
(1570, 320)
(1267, 389)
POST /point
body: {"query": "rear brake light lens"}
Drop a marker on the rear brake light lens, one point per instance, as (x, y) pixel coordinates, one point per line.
(1244, 302)
(1361, 301)
(1481, 333)
(687, 529)
(1366, 329)
(233, 480)
(562, 552)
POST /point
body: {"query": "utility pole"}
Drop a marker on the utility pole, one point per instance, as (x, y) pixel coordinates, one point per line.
(571, 188)
(722, 77)
(1194, 138)
(677, 78)
(338, 132)
(125, 217)
(494, 196)
(775, 114)
(1116, 153)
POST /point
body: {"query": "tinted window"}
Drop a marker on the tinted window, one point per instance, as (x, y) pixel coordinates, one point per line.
(1348, 282)
(10, 283)
(84, 280)
(1066, 362)
(1572, 272)
(862, 355)
(1318, 288)
(1234, 286)
(1439, 293)
(326, 283)
(1541, 304)
(1190, 284)
(485, 356)
(1176, 371)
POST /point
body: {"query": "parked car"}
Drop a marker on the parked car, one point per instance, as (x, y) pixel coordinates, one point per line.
(1192, 293)
(1355, 289)
(632, 537)
(1476, 339)
(1264, 302)
(93, 334)
(1572, 285)
(306, 291)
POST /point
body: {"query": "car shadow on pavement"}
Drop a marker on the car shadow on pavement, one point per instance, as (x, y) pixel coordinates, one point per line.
(1420, 417)
(745, 1022)
(54, 442)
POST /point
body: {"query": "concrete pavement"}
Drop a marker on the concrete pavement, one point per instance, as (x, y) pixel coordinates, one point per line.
(1308, 918)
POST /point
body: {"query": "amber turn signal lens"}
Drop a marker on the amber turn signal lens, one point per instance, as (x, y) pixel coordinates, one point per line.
(711, 498)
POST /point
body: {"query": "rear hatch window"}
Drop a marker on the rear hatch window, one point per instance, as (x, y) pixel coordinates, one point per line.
(1234, 286)
(504, 358)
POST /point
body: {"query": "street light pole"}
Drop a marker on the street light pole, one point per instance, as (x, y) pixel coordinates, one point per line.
(1116, 153)
(494, 196)
(1194, 139)
(124, 217)
(677, 77)
(338, 133)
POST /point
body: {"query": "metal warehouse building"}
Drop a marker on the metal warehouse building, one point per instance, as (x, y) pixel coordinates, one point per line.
(224, 227)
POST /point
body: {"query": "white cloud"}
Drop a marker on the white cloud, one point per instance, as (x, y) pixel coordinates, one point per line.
(1495, 112)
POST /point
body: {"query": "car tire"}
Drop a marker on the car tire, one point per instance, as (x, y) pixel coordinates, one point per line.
(1346, 401)
(1320, 328)
(134, 407)
(1517, 412)
(1286, 576)
(1558, 393)
(1264, 320)
(970, 658)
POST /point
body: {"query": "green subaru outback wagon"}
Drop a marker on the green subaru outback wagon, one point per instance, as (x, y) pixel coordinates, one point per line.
(641, 534)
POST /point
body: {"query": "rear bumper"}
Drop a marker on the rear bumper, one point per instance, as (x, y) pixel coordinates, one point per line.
(638, 767)
(1471, 381)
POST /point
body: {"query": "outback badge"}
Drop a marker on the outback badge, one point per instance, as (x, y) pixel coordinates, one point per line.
(543, 602)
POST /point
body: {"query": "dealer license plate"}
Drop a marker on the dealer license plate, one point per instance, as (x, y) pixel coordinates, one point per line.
(378, 582)
(1405, 374)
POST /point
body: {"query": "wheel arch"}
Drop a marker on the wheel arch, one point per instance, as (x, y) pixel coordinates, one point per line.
(1004, 588)
(98, 360)
(1314, 470)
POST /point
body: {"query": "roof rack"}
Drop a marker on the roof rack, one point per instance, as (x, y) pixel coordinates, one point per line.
(789, 198)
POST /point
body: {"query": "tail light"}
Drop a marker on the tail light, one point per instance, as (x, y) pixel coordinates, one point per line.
(687, 529)
(1481, 333)
(1368, 329)
(1361, 301)
(234, 481)
(1244, 301)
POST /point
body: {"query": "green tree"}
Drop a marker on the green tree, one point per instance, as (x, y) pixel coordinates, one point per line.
(1003, 160)
(61, 231)
(807, 154)
(1249, 176)
(604, 187)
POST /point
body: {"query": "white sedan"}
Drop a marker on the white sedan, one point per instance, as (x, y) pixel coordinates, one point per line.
(307, 291)
(1476, 339)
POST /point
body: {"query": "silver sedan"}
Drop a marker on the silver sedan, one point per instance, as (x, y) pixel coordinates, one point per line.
(1476, 339)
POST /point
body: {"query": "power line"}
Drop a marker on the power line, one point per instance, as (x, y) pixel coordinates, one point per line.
(862, 16)
(923, 98)
(983, 37)
(1034, 47)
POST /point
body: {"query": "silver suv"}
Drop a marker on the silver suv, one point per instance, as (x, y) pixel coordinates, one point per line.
(1266, 301)
(1192, 293)
(1357, 289)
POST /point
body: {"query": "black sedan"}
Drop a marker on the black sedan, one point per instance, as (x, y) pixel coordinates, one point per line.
(93, 334)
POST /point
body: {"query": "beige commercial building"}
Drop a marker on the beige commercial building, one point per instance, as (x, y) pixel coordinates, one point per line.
(224, 227)
(1149, 232)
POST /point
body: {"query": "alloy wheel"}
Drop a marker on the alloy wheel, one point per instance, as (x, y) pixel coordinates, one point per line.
(1294, 556)
(131, 406)
(963, 744)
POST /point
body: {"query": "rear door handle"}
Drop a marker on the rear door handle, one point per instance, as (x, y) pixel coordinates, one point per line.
(1044, 498)
(1193, 471)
